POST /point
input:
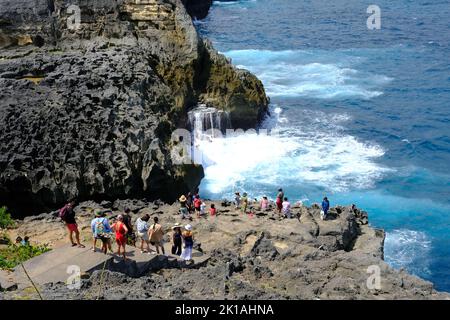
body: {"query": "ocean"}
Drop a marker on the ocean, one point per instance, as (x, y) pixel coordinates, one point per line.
(361, 116)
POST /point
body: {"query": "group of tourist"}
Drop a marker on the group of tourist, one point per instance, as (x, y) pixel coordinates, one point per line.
(123, 232)
(283, 206)
(191, 204)
(182, 237)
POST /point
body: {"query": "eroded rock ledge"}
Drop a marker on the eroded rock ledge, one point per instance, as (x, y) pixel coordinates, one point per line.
(252, 257)
(88, 112)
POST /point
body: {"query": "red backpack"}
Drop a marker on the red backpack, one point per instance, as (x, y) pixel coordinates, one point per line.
(63, 212)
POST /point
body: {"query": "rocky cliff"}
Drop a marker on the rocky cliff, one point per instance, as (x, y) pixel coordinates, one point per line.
(259, 256)
(88, 105)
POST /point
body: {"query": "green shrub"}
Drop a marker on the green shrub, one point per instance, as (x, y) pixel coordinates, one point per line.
(5, 218)
(16, 254)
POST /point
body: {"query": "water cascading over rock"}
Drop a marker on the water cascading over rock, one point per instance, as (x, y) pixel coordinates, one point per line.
(208, 122)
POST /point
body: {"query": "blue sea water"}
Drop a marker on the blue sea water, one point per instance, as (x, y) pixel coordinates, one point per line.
(362, 116)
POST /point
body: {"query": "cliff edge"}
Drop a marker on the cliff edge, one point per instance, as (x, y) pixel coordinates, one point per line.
(91, 92)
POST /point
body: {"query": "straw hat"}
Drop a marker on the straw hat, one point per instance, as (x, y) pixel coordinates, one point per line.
(188, 227)
(182, 198)
(176, 225)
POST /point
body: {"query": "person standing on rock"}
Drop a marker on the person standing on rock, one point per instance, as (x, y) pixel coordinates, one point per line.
(213, 210)
(244, 201)
(156, 235)
(67, 214)
(197, 205)
(279, 201)
(142, 228)
(121, 235)
(188, 239)
(325, 207)
(131, 236)
(189, 203)
(286, 208)
(184, 211)
(177, 241)
(237, 200)
(101, 231)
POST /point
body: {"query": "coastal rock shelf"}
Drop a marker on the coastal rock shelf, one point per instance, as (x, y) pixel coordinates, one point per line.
(88, 111)
(251, 256)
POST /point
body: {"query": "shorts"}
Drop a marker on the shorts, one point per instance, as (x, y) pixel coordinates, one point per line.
(157, 243)
(143, 236)
(73, 227)
(103, 239)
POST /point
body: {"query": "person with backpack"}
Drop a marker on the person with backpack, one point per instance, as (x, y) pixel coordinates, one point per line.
(142, 232)
(67, 215)
(121, 235)
(131, 236)
(156, 235)
(101, 231)
(325, 208)
(188, 239)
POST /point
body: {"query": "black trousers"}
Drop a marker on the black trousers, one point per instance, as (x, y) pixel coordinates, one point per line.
(176, 248)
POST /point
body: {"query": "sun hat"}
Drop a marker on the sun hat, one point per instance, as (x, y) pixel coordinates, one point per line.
(119, 217)
(188, 227)
(98, 213)
(182, 198)
(176, 225)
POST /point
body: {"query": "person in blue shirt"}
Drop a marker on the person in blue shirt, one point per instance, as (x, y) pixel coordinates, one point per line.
(101, 230)
(325, 207)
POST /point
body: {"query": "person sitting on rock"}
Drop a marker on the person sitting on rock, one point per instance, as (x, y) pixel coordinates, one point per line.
(264, 203)
(19, 240)
(67, 214)
(156, 235)
(142, 228)
(325, 207)
(286, 208)
(121, 235)
(177, 241)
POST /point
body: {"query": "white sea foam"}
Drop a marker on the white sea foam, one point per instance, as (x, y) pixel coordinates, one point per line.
(408, 249)
(309, 74)
(319, 154)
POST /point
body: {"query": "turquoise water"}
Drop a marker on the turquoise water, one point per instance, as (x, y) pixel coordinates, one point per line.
(361, 116)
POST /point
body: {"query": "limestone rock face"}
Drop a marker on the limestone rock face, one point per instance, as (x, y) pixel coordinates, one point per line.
(87, 106)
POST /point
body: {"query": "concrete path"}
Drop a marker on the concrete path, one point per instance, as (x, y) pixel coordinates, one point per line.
(52, 266)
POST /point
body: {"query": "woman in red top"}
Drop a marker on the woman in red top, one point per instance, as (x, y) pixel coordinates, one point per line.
(121, 230)
(212, 210)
